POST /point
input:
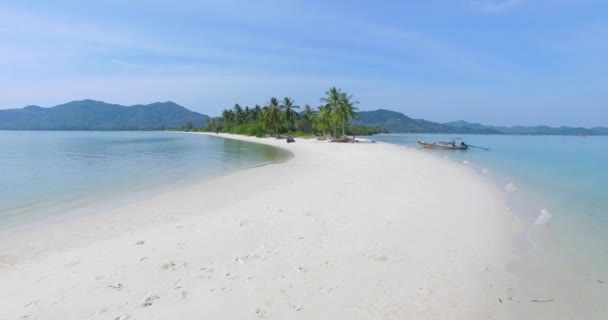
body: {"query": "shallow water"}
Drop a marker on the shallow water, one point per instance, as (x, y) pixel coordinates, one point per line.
(558, 187)
(52, 174)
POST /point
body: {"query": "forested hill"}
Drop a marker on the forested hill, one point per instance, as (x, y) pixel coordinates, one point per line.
(98, 115)
(397, 122)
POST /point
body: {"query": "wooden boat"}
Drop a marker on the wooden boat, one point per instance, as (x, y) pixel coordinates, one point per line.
(443, 145)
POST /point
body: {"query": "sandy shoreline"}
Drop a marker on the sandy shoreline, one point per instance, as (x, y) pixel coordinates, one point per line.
(340, 231)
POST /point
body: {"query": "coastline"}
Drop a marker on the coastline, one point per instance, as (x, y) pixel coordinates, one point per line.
(353, 231)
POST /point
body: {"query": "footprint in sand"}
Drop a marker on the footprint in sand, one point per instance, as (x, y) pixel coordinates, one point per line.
(168, 265)
(296, 307)
(261, 313)
(231, 276)
(140, 242)
(208, 273)
(150, 300)
(117, 286)
(246, 258)
(379, 258)
(180, 293)
(32, 303)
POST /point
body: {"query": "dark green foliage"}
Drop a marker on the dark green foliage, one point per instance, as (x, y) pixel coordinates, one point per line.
(355, 130)
(397, 122)
(280, 117)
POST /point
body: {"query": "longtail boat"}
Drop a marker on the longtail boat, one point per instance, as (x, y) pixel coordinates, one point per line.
(443, 145)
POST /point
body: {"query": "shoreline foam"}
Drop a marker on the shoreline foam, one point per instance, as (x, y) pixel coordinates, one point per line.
(352, 231)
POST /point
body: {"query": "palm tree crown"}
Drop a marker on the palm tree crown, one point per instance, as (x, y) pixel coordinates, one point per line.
(345, 111)
(288, 108)
(272, 115)
(341, 108)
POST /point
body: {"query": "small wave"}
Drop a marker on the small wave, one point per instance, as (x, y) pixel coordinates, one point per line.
(484, 171)
(510, 187)
(544, 217)
(465, 161)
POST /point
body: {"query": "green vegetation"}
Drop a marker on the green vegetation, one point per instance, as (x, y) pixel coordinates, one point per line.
(98, 115)
(281, 117)
(321, 121)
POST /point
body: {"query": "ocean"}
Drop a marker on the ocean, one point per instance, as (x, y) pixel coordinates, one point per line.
(49, 175)
(558, 188)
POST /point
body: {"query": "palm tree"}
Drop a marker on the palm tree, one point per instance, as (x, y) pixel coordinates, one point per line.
(238, 111)
(247, 115)
(332, 100)
(289, 111)
(257, 112)
(228, 117)
(211, 124)
(272, 115)
(324, 120)
(346, 110)
(308, 117)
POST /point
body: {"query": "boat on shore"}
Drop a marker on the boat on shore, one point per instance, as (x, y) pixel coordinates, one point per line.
(452, 145)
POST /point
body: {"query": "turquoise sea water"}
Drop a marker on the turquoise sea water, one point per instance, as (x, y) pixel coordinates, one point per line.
(565, 173)
(558, 188)
(49, 174)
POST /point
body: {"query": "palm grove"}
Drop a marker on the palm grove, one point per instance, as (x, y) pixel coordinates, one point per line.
(281, 116)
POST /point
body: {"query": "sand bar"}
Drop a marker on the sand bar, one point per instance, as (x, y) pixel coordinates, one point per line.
(340, 231)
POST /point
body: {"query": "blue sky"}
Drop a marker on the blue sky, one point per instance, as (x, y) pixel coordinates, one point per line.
(499, 62)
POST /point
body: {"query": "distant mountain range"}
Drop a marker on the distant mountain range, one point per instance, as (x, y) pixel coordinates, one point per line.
(98, 115)
(397, 122)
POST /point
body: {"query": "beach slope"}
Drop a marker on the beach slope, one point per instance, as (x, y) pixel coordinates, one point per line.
(339, 231)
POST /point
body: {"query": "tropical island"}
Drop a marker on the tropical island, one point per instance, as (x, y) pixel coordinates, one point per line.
(333, 116)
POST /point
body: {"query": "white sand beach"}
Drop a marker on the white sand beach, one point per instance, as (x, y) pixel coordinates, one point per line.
(339, 231)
